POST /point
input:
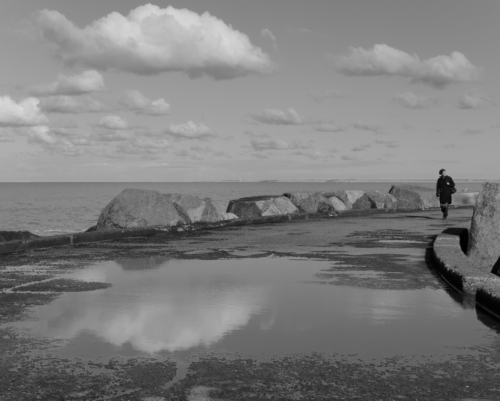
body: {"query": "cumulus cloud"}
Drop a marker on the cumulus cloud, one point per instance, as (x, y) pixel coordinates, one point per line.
(72, 105)
(152, 40)
(86, 82)
(113, 123)
(367, 127)
(135, 101)
(474, 100)
(329, 127)
(387, 143)
(361, 147)
(266, 33)
(268, 143)
(278, 117)
(20, 114)
(259, 144)
(382, 59)
(190, 130)
(52, 142)
(321, 96)
(410, 100)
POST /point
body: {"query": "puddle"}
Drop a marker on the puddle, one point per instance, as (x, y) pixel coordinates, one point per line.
(265, 306)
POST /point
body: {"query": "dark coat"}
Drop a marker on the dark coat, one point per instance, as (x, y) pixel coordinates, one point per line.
(443, 186)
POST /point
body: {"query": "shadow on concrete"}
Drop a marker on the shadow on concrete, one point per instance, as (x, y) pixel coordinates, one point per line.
(463, 233)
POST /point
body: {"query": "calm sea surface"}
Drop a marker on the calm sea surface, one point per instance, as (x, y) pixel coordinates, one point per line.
(55, 208)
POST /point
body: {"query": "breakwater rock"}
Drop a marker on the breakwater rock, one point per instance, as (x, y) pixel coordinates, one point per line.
(258, 206)
(146, 208)
(6, 236)
(414, 197)
(484, 237)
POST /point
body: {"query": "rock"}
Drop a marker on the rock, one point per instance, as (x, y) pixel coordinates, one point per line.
(414, 197)
(363, 202)
(342, 196)
(377, 199)
(306, 202)
(16, 236)
(141, 208)
(325, 207)
(390, 202)
(257, 206)
(380, 200)
(484, 237)
(337, 204)
(198, 209)
(228, 216)
(354, 194)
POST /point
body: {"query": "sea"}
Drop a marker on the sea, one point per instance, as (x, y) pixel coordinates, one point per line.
(52, 208)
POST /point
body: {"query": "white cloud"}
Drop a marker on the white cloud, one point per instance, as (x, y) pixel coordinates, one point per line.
(266, 33)
(387, 143)
(72, 105)
(367, 127)
(151, 40)
(410, 100)
(259, 144)
(136, 101)
(321, 96)
(329, 127)
(113, 123)
(361, 147)
(190, 130)
(279, 117)
(266, 143)
(474, 100)
(43, 136)
(86, 82)
(23, 114)
(382, 59)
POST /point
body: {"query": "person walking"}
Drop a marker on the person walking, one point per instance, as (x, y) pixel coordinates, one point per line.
(445, 187)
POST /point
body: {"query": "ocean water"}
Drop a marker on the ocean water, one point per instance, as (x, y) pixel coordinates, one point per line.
(56, 208)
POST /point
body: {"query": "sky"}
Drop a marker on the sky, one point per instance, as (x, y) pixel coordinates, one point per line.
(211, 90)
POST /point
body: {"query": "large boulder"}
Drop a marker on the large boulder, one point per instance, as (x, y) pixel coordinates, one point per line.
(336, 203)
(16, 236)
(258, 206)
(141, 208)
(484, 237)
(348, 197)
(414, 197)
(362, 202)
(198, 209)
(380, 200)
(306, 202)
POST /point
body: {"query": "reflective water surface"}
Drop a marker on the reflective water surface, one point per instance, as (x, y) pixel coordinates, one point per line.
(266, 306)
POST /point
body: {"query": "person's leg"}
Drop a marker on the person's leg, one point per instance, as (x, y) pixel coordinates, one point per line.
(444, 209)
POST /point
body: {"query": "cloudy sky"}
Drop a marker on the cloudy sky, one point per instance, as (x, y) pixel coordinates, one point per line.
(206, 90)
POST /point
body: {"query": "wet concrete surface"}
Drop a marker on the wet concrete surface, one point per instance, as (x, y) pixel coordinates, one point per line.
(379, 252)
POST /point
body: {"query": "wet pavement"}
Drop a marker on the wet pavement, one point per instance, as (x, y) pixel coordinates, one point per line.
(348, 308)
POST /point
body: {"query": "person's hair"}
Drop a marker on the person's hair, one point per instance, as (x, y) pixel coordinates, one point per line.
(441, 171)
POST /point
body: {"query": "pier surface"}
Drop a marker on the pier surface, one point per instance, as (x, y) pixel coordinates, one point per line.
(394, 247)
